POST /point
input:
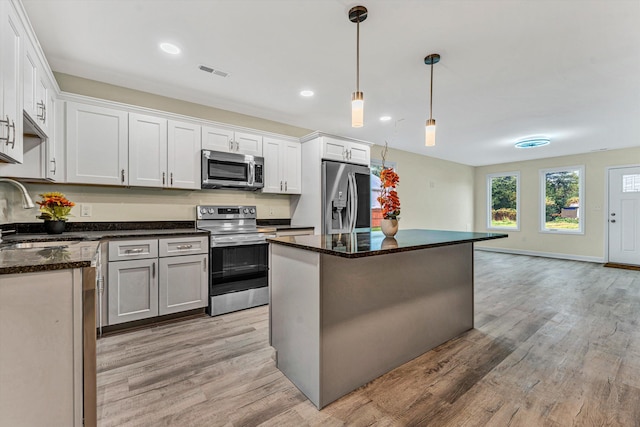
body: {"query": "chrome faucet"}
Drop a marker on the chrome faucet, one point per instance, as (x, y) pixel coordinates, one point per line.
(27, 203)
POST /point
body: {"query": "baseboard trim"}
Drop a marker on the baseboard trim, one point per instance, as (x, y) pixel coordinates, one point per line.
(571, 257)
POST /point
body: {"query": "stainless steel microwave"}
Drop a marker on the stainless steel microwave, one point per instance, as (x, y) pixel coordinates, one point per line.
(232, 170)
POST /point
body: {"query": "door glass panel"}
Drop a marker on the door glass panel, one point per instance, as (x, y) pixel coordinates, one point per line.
(630, 183)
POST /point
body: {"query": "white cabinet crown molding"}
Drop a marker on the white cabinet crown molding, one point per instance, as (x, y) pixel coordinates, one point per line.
(318, 134)
(130, 108)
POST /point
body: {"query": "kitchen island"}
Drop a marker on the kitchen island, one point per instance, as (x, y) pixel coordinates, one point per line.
(347, 308)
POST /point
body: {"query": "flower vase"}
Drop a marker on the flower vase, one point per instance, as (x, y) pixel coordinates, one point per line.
(54, 227)
(389, 227)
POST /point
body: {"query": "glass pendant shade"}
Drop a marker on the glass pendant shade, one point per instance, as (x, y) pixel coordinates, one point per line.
(357, 110)
(430, 133)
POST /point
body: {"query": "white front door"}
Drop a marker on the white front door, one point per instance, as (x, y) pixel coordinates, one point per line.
(624, 215)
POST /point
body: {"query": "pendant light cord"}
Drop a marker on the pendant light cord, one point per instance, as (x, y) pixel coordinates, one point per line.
(358, 55)
(431, 94)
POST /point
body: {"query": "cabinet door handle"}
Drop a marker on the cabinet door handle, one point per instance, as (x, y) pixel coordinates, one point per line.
(163, 177)
(285, 185)
(55, 165)
(231, 145)
(6, 140)
(171, 178)
(40, 110)
(184, 247)
(280, 185)
(13, 141)
(134, 251)
(153, 270)
(205, 264)
(122, 175)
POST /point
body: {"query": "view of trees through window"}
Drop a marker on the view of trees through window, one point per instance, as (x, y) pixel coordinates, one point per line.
(562, 199)
(504, 201)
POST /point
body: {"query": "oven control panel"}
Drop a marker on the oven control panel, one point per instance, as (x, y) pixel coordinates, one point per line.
(225, 212)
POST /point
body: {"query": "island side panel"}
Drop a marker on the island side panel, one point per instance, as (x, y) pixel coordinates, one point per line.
(295, 316)
(381, 311)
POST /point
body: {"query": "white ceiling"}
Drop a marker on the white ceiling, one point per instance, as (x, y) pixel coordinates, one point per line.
(569, 70)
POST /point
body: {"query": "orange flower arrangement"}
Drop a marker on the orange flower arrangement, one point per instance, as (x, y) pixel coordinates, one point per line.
(54, 207)
(389, 201)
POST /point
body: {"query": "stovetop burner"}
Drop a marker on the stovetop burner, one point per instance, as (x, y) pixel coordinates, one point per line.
(232, 225)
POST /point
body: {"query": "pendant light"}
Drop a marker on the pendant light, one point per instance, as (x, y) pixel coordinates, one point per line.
(430, 129)
(357, 14)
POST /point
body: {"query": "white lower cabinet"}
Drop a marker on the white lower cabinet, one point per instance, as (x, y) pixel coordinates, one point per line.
(146, 286)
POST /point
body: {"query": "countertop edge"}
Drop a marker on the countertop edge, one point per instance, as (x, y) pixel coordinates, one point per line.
(382, 251)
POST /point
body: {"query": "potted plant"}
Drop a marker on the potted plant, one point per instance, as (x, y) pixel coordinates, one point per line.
(55, 209)
(389, 201)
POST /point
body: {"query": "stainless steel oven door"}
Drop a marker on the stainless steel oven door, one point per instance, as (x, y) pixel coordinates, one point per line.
(239, 277)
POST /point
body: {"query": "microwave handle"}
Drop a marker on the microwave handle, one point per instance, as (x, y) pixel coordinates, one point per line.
(252, 173)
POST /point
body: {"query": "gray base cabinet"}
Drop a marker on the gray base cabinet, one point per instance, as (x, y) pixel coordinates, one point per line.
(154, 277)
(183, 283)
(133, 290)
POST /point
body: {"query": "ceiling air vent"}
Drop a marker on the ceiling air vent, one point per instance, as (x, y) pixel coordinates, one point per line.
(213, 71)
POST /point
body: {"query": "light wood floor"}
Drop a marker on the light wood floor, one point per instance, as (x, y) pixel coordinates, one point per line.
(556, 343)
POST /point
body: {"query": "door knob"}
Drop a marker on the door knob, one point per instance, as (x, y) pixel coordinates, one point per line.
(613, 220)
(613, 214)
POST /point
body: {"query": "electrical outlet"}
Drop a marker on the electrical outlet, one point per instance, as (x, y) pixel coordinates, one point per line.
(85, 210)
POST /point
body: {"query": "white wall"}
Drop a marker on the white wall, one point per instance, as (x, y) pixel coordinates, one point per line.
(590, 245)
(434, 193)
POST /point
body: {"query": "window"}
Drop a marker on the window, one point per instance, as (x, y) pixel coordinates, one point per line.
(630, 183)
(376, 211)
(562, 202)
(503, 201)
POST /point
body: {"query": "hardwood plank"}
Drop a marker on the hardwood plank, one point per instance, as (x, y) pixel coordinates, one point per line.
(556, 343)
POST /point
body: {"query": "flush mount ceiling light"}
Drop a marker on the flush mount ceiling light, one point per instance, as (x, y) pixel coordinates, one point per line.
(306, 93)
(357, 14)
(532, 142)
(430, 128)
(170, 48)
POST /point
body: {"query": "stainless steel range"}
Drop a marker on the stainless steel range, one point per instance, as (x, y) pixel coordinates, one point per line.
(239, 257)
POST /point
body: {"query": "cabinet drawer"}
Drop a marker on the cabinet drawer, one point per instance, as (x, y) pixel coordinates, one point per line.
(187, 245)
(120, 250)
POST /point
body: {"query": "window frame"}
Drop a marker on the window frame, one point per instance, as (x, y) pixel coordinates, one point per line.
(489, 180)
(543, 197)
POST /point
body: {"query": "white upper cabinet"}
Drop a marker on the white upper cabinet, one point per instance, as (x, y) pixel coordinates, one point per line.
(37, 91)
(147, 151)
(345, 151)
(183, 160)
(282, 166)
(229, 141)
(97, 145)
(11, 39)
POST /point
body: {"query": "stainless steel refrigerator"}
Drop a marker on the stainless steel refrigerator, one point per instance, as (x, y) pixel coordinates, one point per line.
(346, 198)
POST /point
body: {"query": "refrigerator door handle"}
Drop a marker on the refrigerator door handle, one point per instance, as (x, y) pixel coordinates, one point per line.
(355, 201)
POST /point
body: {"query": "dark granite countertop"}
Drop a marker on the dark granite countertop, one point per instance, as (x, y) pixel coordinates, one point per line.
(77, 247)
(43, 256)
(356, 245)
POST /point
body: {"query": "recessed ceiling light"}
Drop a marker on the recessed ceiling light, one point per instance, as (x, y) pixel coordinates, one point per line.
(170, 48)
(385, 118)
(306, 93)
(532, 142)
